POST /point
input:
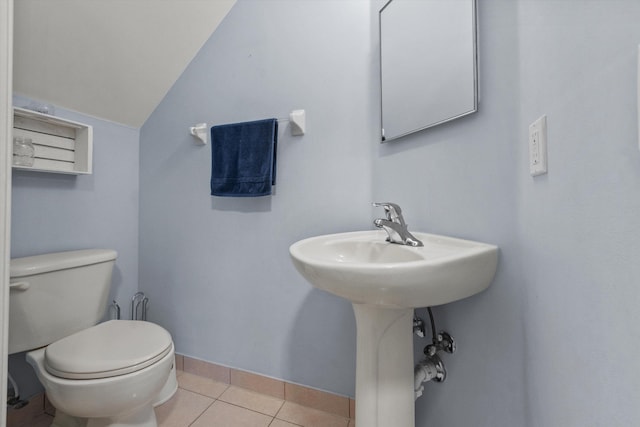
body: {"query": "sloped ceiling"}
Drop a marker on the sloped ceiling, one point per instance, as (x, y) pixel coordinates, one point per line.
(112, 59)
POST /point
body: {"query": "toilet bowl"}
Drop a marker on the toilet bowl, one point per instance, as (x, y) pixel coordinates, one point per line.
(107, 375)
(110, 374)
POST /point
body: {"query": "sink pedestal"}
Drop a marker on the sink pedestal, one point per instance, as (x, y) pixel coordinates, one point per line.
(384, 366)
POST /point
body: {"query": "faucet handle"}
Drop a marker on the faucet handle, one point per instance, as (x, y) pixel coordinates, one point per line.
(392, 210)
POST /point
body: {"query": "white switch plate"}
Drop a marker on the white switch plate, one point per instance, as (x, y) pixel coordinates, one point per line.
(538, 147)
(638, 95)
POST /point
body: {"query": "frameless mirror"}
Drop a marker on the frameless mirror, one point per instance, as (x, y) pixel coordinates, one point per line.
(428, 64)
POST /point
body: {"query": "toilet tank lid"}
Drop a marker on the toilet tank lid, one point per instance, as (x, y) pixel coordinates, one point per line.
(38, 264)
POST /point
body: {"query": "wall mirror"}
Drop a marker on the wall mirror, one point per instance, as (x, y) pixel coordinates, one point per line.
(428, 64)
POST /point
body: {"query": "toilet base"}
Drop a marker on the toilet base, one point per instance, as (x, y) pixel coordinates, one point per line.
(169, 388)
(119, 401)
(143, 417)
(63, 420)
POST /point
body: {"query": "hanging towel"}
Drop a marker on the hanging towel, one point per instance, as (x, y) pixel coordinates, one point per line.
(243, 158)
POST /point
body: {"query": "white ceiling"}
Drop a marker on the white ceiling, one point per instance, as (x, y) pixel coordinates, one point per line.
(113, 59)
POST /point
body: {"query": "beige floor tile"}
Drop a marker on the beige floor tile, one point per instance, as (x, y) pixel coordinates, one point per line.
(26, 414)
(43, 420)
(309, 417)
(195, 405)
(258, 383)
(279, 423)
(179, 362)
(201, 385)
(206, 369)
(221, 414)
(317, 399)
(182, 409)
(49, 409)
(251, 400)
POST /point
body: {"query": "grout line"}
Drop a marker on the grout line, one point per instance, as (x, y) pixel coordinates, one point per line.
(279, 409)
(237, 406)
(253, 410)
(289, 422)
(249, 409)
(205, 395)
(284, 383)
(201, 413)
(230, 403)
(348, 417)
(226, 387)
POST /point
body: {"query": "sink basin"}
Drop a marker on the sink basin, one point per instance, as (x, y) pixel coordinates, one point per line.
(365, 269)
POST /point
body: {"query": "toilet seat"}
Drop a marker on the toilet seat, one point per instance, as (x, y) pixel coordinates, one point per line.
(112, 348)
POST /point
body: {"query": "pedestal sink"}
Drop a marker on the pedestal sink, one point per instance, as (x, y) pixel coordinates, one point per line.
(385, 282)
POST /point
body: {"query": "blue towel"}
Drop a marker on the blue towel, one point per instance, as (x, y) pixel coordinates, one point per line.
(243, 158)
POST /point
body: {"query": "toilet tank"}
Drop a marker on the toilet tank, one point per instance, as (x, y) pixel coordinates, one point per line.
(54, 295)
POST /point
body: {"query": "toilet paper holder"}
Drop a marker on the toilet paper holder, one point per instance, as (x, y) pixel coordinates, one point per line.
(114, 310)
(139, 304)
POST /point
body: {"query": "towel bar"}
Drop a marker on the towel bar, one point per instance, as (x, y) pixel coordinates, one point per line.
(297, 118)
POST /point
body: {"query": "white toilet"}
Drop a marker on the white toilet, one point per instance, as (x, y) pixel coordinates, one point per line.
(96, 375)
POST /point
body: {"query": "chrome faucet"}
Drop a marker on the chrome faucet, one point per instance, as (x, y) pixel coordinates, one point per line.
(395, 226)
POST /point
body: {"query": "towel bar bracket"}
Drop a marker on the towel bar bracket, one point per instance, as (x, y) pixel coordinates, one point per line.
(298, 122)
(201, 132)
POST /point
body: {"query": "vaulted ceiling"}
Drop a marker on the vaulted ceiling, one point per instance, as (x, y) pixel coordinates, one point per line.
(112, 59)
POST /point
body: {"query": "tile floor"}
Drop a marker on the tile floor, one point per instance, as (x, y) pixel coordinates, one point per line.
(203, 402)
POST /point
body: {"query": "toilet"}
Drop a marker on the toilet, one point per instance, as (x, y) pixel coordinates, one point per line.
(95, 374)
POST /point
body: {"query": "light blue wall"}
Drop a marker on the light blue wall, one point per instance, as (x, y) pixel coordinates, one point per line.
(460, 179)
(55, 212)
(552, 342)
(217, 270)
(579, 226)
